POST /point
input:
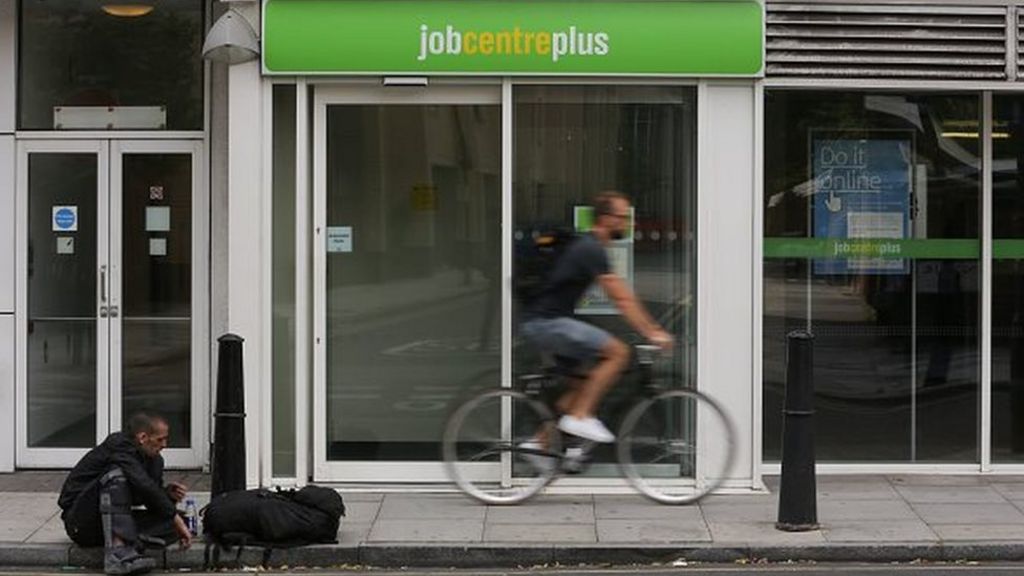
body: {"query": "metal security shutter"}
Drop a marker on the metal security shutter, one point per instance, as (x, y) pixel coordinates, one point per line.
(886, 41)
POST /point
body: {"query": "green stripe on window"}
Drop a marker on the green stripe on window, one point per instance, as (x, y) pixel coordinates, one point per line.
(940, 249)
(1010, 249)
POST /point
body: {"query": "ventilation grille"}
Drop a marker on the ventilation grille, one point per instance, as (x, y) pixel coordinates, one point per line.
(874, 41)
(1019, 41)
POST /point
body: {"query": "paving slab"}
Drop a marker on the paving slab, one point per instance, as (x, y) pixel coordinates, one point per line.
(643, 530)
(353, 532)
(625, 508)
(983, 532)
(759, 511)
(407, 530)
(424, 506)
(969, 514)
(879, 531)
(949, 494)
(830, 510)
(540, 514)
(551, 533)
(761, 533)
(856, 488)
(1010, 490)
(361, 512)
(52, 532)
(938, 480)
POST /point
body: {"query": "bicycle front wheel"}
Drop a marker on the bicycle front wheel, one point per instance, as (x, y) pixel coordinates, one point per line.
(676, 447)
(502, 447)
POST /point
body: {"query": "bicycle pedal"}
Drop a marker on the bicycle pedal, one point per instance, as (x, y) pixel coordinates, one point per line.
(575, 460)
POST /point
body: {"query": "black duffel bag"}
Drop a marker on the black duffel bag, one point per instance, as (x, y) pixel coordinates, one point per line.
(274, 518)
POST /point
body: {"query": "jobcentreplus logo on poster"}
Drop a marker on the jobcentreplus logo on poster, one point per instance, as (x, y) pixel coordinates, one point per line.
(515, 42)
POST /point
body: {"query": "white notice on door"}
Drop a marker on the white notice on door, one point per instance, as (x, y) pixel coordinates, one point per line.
(339, 238)
(158, 246)
(158, 218)
(65, 244)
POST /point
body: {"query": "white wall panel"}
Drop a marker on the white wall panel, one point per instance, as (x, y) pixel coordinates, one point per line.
(7, 448)
(726, 260)
(246, 247)
(8, 66)
(6, 224)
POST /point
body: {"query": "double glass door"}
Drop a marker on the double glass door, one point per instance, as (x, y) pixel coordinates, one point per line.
(108, 273)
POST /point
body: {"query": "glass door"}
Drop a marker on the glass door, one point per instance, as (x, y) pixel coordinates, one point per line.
(407, 274)
(107, 275)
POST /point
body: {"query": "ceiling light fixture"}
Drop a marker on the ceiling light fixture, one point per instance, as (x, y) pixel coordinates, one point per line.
(132, 10)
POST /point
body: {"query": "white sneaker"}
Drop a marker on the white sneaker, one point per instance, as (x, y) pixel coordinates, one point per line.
(589, 428)
(541, 463)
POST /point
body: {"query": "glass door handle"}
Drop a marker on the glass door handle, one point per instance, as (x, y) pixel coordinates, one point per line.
(113, 311)
(103, 284)
(103, 311)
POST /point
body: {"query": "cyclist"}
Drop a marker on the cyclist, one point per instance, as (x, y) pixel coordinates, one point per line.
(549, 324)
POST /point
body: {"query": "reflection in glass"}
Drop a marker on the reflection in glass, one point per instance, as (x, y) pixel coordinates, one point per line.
(1008, 279)
(572, 142)
(284, 281)
(157, 289)
(413, 272)
(61, 302)
(889, 187)
(72, 53)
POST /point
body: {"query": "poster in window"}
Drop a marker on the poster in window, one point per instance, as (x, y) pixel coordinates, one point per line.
(861, 201)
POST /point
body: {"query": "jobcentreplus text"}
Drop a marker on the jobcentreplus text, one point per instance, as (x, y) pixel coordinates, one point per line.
(517, 42)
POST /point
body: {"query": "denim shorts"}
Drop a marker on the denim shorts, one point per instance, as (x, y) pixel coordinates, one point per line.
(567, 338)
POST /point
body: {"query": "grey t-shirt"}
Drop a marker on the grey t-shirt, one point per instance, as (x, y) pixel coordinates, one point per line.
(583, 261)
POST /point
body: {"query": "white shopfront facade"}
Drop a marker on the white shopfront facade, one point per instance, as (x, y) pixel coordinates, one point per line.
(387, 222)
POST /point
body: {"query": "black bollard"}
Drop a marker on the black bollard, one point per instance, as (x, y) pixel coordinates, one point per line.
(227, 467)
(797, 492)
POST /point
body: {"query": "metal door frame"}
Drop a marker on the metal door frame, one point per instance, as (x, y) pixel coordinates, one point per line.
(324, 96)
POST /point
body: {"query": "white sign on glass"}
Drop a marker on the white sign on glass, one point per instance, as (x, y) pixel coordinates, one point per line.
(339, 238)
(158, 218)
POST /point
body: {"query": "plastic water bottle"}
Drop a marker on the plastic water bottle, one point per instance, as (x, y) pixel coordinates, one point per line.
(191, 516)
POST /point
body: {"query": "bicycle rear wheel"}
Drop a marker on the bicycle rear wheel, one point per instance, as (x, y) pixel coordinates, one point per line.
(502, 447)
(659, 441)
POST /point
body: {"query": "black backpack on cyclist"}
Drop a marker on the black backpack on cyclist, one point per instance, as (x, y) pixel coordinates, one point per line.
(537, 249)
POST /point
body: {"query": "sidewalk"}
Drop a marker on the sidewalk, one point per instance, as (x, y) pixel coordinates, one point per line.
(863, 518)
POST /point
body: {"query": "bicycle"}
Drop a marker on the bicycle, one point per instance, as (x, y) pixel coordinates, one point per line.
(502, 445)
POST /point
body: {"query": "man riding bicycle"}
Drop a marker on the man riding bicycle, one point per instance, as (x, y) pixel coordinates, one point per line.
(549, 324)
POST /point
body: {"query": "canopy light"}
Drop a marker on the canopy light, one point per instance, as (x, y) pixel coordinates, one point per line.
(231, 40)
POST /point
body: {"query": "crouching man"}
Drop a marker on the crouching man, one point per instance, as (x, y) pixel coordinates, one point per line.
(126, 470)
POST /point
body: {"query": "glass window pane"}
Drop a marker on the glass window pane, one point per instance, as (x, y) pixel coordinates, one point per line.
(413, 272)
(62, 346)
(1008, 279)
(283, 463)
(871, 225)
(572, 142)
(156, 314)
(76, 56)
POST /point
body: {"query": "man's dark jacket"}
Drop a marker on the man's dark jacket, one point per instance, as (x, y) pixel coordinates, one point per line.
(144, 474)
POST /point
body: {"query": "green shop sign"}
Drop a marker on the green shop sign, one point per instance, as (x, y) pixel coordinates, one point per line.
(524, 37)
